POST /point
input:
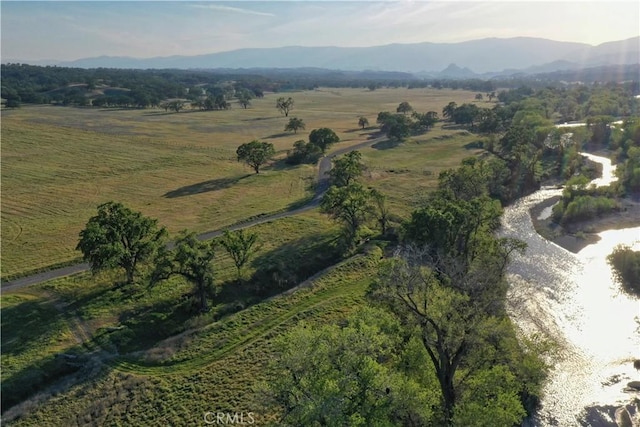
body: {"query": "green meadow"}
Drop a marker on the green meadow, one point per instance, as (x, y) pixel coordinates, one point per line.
(81, 351)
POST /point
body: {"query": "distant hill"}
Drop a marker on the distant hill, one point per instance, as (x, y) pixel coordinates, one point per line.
(485, 57)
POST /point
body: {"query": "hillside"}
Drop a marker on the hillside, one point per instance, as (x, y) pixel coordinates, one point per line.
(490, 55)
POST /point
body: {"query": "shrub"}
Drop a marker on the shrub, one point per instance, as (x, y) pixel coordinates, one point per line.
(626, 268)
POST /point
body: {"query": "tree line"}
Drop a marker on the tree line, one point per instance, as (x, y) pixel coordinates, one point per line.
(119, 237)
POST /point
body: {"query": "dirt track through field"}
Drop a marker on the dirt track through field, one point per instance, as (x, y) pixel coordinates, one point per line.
(321, 187)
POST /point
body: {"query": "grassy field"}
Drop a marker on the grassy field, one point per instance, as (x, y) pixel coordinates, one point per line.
(215, 368)
(59, 163)
(142, 357)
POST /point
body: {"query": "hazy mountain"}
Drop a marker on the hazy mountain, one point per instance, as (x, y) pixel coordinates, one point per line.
(491, 55)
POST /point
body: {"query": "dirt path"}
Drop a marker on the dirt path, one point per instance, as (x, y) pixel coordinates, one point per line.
(322, 185)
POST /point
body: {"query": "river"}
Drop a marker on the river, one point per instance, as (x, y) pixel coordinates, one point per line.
(573, 299)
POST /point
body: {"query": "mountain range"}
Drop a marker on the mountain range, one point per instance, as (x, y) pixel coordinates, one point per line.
(477, 58)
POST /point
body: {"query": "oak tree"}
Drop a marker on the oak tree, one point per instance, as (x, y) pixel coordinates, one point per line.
(119, 237)
(255, 153)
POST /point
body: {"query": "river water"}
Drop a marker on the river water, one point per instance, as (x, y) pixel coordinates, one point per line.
(573, 299)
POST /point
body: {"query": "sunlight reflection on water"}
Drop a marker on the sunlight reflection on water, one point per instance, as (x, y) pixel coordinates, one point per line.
(574, 299)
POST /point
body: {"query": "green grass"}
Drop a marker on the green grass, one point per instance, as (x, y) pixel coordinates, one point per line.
(408, 171)
(215, 368)
(59, 163)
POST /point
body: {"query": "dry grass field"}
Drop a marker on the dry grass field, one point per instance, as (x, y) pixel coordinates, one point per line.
(59, 163)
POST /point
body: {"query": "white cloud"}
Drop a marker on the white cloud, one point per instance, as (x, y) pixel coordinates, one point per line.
(222, 8)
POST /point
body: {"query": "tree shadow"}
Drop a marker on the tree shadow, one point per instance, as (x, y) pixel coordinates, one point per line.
(454, 126)
(43, 374)
(18, 332)
(387, 144)
(204, 187)
(363, 131)
(473, 145)
(141, 328)
(257, 119)
(279, 135)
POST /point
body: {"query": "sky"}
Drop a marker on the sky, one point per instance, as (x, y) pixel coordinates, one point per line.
(63, 31)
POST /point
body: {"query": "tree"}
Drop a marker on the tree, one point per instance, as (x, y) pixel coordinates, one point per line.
(346, 169)
(479, 97)
(220, 103)
(244, 97)
(466, 114)
(323, 138)
(12, 103)
(349, 205)
(424, 122)
(449, 110)
(284, 105)
(381, 210)
(363, 122)
(347, 375)
(453, 227)
(303, 152)
(191, 259)
(240, 245)
(255, 153)
(294, 124)
(176, 105)
(398, 127)
(404, 108)
(119, 237)
(455, 310)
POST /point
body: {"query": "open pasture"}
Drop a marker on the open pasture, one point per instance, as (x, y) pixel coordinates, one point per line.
(59, 163)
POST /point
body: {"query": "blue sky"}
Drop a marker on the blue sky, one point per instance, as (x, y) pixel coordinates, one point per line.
(77, 29)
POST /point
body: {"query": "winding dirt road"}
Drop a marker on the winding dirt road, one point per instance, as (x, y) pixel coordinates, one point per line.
(321, 187)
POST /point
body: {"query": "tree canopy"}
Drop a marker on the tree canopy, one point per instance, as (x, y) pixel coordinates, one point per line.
(285, 105)
(119, 237)
(241, 245)
(350, 205)
(191, 259)
(323, 138)
(346, 169)
(255, 153)
(404, 108)
(294, 124)
(363, 122)
(303, 152)
(347, 375)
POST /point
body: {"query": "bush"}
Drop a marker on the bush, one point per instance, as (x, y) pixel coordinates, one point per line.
(303, 152)
(626, 268)
(588, 207)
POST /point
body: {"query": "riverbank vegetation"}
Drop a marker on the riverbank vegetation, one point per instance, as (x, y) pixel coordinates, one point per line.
(581, 202)
(625, 263)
